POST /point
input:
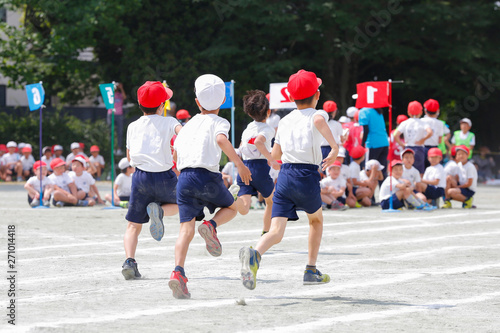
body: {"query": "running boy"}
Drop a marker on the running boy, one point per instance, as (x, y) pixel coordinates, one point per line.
(198, 150)
(297, 144)
(467, 182)
(256, 155)
(153, 183)
(33, 186)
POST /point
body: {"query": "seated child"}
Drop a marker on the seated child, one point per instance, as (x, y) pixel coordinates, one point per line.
(58, 150)
(227, 173)
(451, 170)
(47, 158)
(33, 186)
(75, 150)
(464, 136)
(410, 173)
(123, 184)
(434, 180)
(360, 190)
(65, 192)
(333, 189)
(467, 180)
(11, 165)
(97, 161)
(371, 175)
(84, 182)
(27, 161)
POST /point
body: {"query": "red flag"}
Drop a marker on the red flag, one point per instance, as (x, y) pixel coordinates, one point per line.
(373, 94)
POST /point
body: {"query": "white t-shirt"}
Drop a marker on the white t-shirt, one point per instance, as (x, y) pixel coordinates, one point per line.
(385, 189)
(62, 181)
(248, 150)
(464, 136)
(451, 168)
(273, 120)
(10, 158)
(299, 138)
(467, 171)
(274, 174)
(124, 183)
(437, 127)
(436, 172)
(196, 144)
(337, 183)
(354, 171)
(336, 129)
(413, 129)
(412, 175)
(148, 142)
(363, 176)
(27, 162)
(82, 182)
(44, 159)
(345, 172)
(71, 157)
(35, 182)
(98, 159)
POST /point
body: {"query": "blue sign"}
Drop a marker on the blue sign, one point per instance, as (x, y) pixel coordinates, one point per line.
(229, 96)
(108, 94)
(36, 96)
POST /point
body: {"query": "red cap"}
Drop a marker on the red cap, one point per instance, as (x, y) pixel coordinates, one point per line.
(401, 118)
(396, 162)
(152, 93)
(182, 114)
(37, 165)
(330, 106)
(81, 159)
(26, 150)
(82, 145)
(462, 147)
(268, 96)
(3, 148)
(435, 152)
(431, 105)
(94, 148)
(357, 152)
(453, 151)
(337, 163)
(414, 108)
(407, 150)
(56, 162)
(356, 116)
(303, 84)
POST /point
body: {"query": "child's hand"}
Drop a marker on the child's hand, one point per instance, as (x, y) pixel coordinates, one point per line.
(275, 165)
(420, 142)
(329, 159)
(245, 174)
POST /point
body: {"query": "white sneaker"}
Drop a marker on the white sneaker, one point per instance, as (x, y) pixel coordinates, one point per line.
(234, 189)
(35, 202)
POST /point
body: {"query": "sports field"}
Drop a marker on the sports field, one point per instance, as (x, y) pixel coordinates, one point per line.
(391, 272)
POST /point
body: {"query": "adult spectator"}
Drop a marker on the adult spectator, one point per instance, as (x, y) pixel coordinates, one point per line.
(375, 135)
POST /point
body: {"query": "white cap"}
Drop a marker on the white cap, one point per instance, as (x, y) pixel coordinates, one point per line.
(58, 147)
(11, 144)
(344, 119)
(21, 145)
(81, 159)
(341, 152)
(210, 91)
(351, 111)
(467, 121)
(124, 163)
(75, 145)
(374, 163)
(28, 145)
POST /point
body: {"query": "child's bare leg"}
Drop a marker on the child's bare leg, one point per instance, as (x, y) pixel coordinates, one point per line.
(366, 202)
(131, 238)
(65, 197)
(168, 209)
(274, 236)
(351, 202)
(225, 215)
(243, 204)
(315, 234)
(80, 195)
(267, 213)
(186, 234)
(456, 194)
(19, 170)
(421, 196)
(328, 198)
(91, 202)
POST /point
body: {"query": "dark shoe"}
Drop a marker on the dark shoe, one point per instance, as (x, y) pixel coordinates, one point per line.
(130, 270)
(311, 277)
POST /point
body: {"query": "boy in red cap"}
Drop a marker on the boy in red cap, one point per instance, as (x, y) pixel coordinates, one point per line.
(183, 116)
(433, 182)
(297, 144)
(360, 188)
(467, 180)
(27, 161)
(65, 191)
(33, 185)
(153, 192)
(97, 161)
(333, 188)
(431, 107)
(415, 133)
(335, 127)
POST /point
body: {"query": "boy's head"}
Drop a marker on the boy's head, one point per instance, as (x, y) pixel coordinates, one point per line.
(75, 147)
(210, 92)
(331, 108)
(414, 109)
(94, 150)
(11, 147)
(453, 152)
(434, 155)
(78, 164)
(151, 95)
(373, 165)
(341, 155)
(183, 116)
(39, 165)
(124, 165)
(58, 166)
(351, 111)
(358, 154)
(58, 149)
(26, 151)
(462, 154)
(303, 87)
(256, 105)
(397, 168)
(431, 108)
(401, 118)
(465, 125)
(47, 151)
(334, 170)
(408, 157)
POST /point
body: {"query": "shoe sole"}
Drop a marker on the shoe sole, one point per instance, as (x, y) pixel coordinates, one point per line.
(214, 247)
(129, 274)
(248, 275)
(176, 288)
(156, 228)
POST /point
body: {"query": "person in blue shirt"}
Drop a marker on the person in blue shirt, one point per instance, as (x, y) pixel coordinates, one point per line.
(375, 135)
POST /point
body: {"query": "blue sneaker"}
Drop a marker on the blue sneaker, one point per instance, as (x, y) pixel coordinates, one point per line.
(311, 277)
(155, 213)
(426, 207)
(249, 259)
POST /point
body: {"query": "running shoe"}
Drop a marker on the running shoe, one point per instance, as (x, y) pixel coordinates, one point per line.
(123, 204)
(234, 189)
(209, 234)
(337, 205)
(155, 213)
(130, 270)
(178, 286)
(311, 277)
(446, 204)
(468, 203)
(59, 204)
(249, 259)
(35, 202)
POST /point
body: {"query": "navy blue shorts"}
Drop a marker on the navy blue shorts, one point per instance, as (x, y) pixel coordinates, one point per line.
(199, 188)
(467, 193)
(434, 192)
(297, 188)
(396, 203)
(419, 158)
(124, 198)
(341, 199)
(261, 181)
(354, 190)
(150, 187)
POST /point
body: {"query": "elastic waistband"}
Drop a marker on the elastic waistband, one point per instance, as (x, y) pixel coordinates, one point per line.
(312, 167)
(255, 161)
(196, 170)
(137, 169)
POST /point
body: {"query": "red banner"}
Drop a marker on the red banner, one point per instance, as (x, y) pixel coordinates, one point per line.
(373, 94)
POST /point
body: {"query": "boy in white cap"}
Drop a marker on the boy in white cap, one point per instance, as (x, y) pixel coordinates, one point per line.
(371, 176)
(297, 144)
(58, 150)
(47, 158)
(198, 150)
(11, 164)
(75, 150)
(123, 184)
(464, 136)
(33, 185)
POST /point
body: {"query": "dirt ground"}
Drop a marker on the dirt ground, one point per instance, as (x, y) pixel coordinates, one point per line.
(393, 272)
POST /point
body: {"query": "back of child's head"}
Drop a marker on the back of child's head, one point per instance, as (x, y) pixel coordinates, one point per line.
(302, 86)
(330, 107)
(401, 118)
(123, 164)
(431, 106)
(358, 153)
(256, 105)
(414, 109)
(151, 95)
(210, 91)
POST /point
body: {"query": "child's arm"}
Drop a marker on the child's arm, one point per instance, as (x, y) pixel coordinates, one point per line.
(178, 128)
(397, 138)
(430, 182)
(324, 129)
(72, 188)
(47, 192)
(227, 148)
(429, 134)
(466, 185)
(261, 147)
(276, 153)
(115, 188)
(96, 191)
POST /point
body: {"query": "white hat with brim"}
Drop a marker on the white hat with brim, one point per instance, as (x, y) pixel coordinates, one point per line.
(351, 111)
(372, 163)
(11, 144)
(124, 163)
(467, 121)
(344, 119)
(80, 159)
(75, 145)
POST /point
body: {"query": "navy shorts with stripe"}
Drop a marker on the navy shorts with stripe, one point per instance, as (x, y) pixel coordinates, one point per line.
(396, 203)
(261, 181)
(434, 192)
(466, 192)
(199, 188)
(150, 187)
(297, 188)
